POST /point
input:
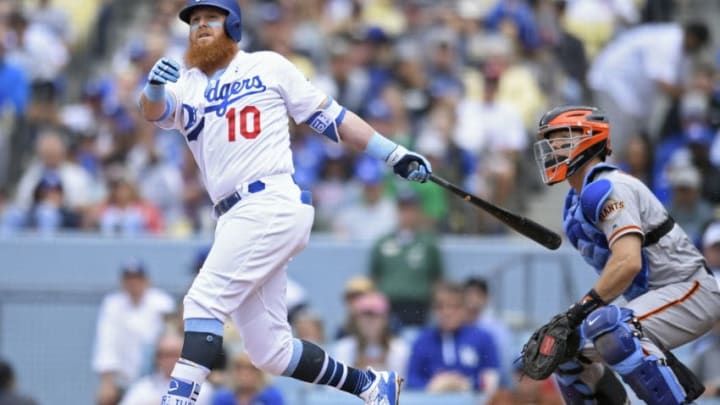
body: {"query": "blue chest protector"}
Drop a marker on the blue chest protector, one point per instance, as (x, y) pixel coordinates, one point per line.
(580, 216)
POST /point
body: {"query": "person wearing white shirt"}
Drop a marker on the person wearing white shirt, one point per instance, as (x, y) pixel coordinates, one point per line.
(129, 323)
(147, 390)
(637, 67)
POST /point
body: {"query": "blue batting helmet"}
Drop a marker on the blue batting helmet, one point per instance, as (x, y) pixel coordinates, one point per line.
(233, 21)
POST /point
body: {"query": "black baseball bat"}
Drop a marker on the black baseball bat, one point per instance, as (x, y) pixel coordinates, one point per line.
(523, 225)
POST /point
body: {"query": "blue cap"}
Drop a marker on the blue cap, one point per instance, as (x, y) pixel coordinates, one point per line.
(134, 267)
(369, 170)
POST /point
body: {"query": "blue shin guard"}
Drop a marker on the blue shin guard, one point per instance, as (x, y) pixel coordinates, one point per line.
(618, 343)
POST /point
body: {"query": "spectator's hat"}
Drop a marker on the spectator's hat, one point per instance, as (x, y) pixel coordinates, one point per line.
(373, 303)
(684, 176)
(357, 286)
(711, 236)
(369, 171)
(133, 268)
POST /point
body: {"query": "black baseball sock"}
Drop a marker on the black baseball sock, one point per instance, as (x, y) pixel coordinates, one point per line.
(312, 364)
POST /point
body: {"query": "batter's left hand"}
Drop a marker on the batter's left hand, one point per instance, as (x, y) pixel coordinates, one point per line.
(410, 165)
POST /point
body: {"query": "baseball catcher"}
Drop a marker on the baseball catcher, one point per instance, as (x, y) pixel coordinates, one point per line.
(638, 251)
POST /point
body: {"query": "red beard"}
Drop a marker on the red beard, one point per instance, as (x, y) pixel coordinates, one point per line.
(209, 57)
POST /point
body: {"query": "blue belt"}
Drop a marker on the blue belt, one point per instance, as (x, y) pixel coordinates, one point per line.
(228, 202)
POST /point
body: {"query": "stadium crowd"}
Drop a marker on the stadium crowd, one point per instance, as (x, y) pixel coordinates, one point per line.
(463, 82)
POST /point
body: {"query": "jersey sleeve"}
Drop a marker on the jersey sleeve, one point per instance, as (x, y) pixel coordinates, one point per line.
(174, 120)
(620, 213)
(301, 97)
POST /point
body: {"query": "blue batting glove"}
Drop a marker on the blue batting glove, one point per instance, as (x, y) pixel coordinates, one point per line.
(164, 71)
(409, 165)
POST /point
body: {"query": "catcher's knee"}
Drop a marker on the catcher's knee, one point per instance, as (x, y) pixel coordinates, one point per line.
(618, 343)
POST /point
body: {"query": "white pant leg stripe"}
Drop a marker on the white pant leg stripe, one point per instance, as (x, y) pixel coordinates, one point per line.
(322, 370)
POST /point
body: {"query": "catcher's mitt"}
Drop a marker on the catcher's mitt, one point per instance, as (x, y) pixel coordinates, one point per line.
(553, 344)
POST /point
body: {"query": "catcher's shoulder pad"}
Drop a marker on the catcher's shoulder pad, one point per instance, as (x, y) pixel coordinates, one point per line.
(593, 197)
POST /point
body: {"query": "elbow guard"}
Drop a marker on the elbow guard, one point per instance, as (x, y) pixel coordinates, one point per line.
(327, 119)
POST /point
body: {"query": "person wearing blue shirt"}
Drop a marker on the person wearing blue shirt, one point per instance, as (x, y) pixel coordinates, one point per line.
(453, 355)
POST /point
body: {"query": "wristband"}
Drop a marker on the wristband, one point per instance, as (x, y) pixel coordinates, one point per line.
(380, 147)
(580, 310)
(154, 92)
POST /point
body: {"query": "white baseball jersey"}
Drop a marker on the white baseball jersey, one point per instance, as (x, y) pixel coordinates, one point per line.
(236, 123)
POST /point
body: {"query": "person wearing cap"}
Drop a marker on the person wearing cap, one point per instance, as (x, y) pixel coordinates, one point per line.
(371, 343)
(373, 214)
(407, 253)
(8, 395)
(129, 323)
(355, 288)
(453, 354)
(711, 247)
(48, 213)
(687, 205)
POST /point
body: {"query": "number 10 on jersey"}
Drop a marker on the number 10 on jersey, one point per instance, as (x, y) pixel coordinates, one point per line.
(249, 122)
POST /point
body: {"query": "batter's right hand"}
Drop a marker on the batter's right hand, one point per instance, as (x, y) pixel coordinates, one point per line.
(165, 71)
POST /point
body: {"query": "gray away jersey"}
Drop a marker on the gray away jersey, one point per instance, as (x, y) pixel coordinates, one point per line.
(633, 208)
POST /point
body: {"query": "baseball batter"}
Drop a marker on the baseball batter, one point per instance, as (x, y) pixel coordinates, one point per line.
(233, 108)
(627, 236)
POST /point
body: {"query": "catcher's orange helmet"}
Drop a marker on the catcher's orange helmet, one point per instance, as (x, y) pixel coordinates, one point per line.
(568, 137)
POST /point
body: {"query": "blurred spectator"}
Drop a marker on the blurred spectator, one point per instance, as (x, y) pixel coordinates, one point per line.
(247, 385)
(636, 68)
(477, 301)
(371, 343)
(373, 215)
(332, 192)
(687, 206)
(493, 131)
(53, 18)
(355, 288)
(409, 251)
(453, 355)
(8, 396)
(147, 390)
(308, 326)
(29, 43)
(125, 213)
(344, 81)
(710, 244)
(444, 68)
(48, 213)
(706, 362)
(595, 21)
(14, 98)
(51, 158)
(129, 323)
(639, 159)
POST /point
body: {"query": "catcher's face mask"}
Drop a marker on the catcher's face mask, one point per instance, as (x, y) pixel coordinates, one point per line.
(556, 150)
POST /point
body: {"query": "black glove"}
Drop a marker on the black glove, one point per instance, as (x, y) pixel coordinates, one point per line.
(553, 344)
(559, 340)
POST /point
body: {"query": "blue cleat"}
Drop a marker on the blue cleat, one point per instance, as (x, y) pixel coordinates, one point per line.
(384, 390)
